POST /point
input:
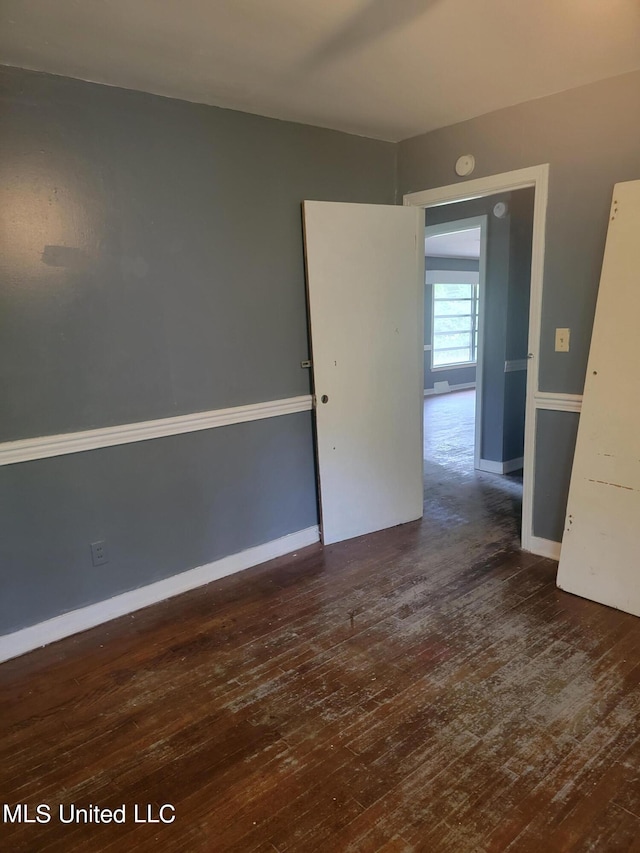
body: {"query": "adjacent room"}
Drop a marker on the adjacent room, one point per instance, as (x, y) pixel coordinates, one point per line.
(452, 313)
(296, 315)
(477, 317)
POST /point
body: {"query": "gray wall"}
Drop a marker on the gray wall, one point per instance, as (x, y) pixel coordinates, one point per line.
(153, 245)
(589, 136)
(161, 505)
(517, 338)
(506, 309)
(152, 265)
(555, 431)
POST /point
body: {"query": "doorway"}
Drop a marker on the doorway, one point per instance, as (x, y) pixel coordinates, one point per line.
(354, 255)
(537, 179)
(455, 275)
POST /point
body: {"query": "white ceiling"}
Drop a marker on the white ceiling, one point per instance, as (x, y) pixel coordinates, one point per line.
(383, 68)
(459, 244)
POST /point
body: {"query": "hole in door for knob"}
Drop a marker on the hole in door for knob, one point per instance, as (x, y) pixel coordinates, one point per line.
(324, 398)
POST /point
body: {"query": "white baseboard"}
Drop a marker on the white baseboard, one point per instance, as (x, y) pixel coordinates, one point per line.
(445, 388)
(27, 639)
(513, 465)
(500, 467)
(544, 547)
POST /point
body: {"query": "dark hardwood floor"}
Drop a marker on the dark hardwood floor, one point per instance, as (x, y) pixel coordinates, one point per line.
(426, 688)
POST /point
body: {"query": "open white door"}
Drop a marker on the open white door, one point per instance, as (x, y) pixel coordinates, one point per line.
(365, 280)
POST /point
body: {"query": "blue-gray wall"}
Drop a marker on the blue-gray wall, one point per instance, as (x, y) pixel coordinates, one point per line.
(152, 265)
(589, 136)
(517, 339)
(554, 432)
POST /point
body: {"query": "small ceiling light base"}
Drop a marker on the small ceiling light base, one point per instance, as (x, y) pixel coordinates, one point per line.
(465, 165)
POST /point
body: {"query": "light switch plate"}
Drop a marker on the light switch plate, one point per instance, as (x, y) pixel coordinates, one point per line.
(562, 340)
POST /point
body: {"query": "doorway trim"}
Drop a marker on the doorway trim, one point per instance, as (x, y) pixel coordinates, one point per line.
(537, 177)
(455, 227)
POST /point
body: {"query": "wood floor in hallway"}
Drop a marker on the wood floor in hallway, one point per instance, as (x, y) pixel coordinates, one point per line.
(426, 688)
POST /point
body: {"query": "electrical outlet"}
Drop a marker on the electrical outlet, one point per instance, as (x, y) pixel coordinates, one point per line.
(99, 553)
(562, 340)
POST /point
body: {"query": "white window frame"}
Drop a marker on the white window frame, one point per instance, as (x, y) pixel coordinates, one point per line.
(433, 277)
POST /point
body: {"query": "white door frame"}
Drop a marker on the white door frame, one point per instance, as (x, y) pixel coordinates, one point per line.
(537, 177)
(453, 228)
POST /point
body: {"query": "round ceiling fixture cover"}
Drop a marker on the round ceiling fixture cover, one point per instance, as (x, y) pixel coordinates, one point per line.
(465, 165)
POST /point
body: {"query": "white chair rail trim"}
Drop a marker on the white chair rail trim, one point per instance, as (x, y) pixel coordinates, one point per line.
(28, 449)
(555, 402)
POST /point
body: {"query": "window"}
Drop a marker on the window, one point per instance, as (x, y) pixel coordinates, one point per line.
(455, 324)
